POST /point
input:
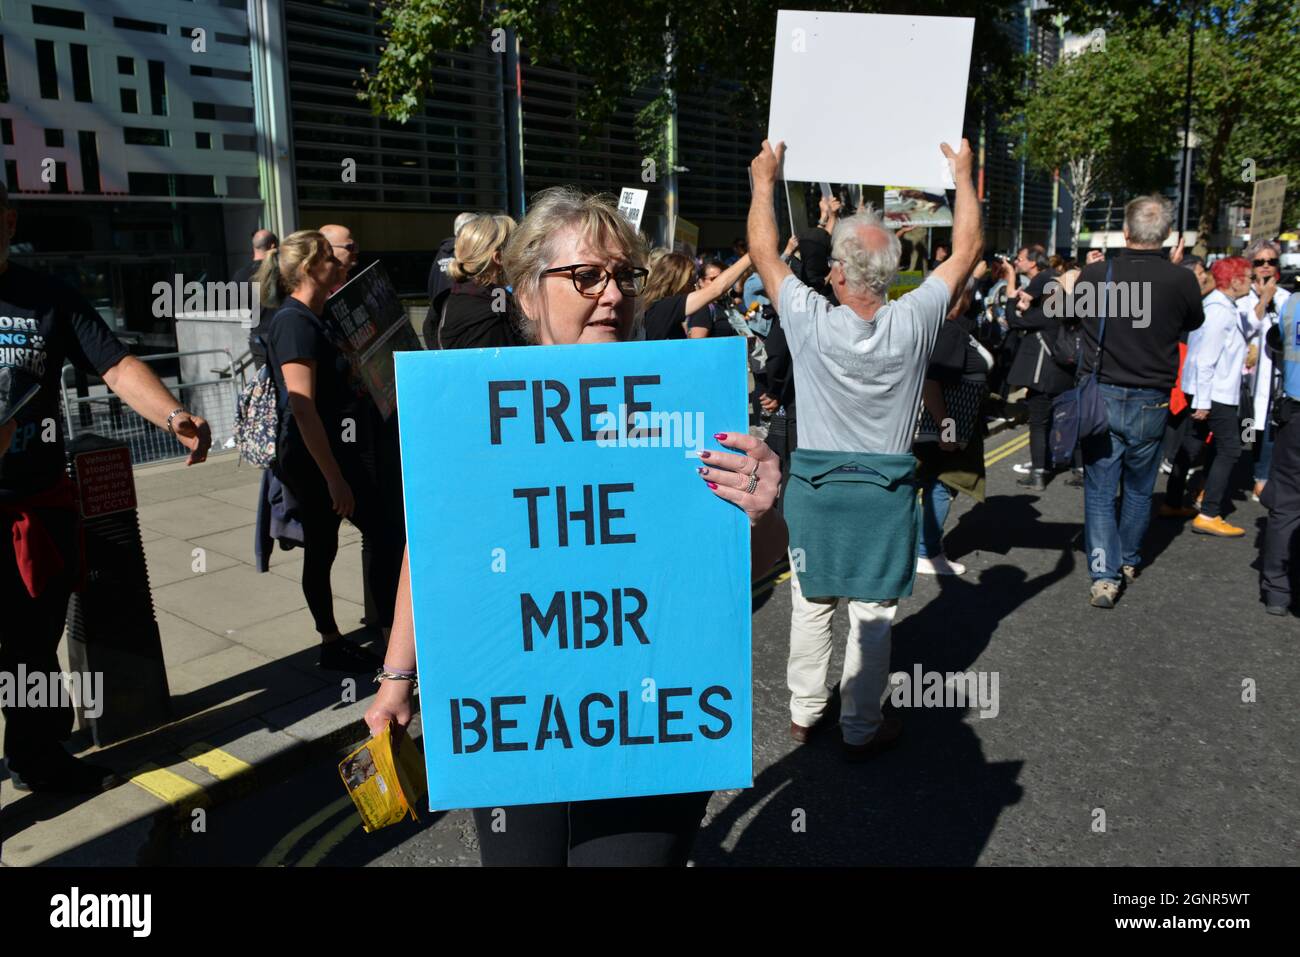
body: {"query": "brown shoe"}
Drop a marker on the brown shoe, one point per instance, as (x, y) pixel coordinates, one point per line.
(1216, 526)
(886, 737)
(800, 733)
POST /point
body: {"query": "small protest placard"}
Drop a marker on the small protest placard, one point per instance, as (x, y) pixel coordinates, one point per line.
(581, 598)
(631, 205)
(368, 316)
(1266, 207)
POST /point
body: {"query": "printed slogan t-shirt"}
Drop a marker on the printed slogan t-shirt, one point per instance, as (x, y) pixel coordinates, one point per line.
(43, 324)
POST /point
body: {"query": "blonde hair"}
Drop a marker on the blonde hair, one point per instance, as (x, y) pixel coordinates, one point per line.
(670, 275)
(282, 270)
(554, 214)
(477, 242)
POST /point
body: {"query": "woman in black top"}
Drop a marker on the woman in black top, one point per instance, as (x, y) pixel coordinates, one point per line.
(475, 312)
(671, 299)
(317, 453)
(575, 264)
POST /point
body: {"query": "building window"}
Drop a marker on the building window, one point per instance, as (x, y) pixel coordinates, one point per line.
(157, 88)
(126, 66)
(54, 138)
(7, 131)
(89, 147)
(58, 17)
(224, 112)
(221, 74)
(4, 73)
(203, 141)
(11, 175)
(144, 26)
(60, 184)
(243, 187)
(234, 141)
(47, 71)
(130, 102)
(142, 136)
(80, 73)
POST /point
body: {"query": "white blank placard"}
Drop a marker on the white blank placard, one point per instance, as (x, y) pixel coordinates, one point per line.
(867, 98)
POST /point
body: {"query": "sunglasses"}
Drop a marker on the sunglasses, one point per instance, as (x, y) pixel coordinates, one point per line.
(350, 247)
(1263, 262)
(590, 281)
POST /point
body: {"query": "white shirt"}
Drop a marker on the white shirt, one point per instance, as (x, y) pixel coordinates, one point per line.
(1260, 377)
(858, 382)
(1215, 357)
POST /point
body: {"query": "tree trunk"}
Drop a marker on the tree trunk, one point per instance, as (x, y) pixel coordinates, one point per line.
(1214, 173)
(1081, 194)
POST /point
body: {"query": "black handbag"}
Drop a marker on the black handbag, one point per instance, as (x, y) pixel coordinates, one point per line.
(1080, 413)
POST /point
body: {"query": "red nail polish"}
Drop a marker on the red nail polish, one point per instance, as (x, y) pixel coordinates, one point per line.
(719, 435)
(702, 470)
(705, 454)
(711, 484)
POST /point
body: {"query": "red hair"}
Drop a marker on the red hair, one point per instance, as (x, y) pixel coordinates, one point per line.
(1228, 269)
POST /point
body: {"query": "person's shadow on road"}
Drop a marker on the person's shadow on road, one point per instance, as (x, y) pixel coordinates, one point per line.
(931, 801)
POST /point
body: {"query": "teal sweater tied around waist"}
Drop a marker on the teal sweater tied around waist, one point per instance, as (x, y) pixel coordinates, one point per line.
(854, 522)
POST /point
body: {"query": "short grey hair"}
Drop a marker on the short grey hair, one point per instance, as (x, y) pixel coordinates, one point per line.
(867, 269)
(460, 222)
(1148, 220)
(1259, 245)
(552, 216)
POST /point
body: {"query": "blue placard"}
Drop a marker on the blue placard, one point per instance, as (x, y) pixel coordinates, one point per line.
(641, 683)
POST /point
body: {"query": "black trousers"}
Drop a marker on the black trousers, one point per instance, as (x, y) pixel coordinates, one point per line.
(382, 461)
(320, 528)
(653, 831)
(30, 630)
(1225, 451)
(1040, 424)
(1282, 499)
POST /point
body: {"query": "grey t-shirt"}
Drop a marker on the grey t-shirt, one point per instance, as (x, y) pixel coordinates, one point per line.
(859, 382)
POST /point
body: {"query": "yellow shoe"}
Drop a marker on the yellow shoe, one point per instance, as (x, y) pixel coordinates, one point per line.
(1216, 526)
(1182, 511)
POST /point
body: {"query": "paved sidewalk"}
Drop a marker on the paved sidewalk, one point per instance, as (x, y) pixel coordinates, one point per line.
(249, 702)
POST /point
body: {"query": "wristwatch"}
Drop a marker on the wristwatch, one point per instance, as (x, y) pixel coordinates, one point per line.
(174, 413)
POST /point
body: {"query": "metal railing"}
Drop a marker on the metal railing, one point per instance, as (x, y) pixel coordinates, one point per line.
(89, 406)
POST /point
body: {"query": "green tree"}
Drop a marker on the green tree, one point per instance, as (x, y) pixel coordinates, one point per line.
(1246, 55)
(1105, 117)
(623, 50)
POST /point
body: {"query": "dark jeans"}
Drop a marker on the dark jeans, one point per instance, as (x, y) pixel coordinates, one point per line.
(1282, 499)
(1128, 451)
(1223, 455)
(653, 831)
(320, 528)
(30, 630)
(782, 438)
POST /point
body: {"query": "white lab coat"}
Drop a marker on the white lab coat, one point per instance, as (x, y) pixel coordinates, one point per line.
(1261, 377)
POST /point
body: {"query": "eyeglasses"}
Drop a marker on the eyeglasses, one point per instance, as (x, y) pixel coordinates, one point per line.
(590, 281)
(1263, 262)
(350, 247)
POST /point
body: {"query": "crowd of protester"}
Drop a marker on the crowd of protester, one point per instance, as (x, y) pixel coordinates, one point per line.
(852, 481)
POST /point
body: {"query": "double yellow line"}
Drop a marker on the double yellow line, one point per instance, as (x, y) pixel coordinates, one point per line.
(1005, 449)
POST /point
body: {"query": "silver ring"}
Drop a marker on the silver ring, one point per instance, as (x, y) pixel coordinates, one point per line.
(753, 483)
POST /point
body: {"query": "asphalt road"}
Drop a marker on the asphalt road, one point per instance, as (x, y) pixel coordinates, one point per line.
(1121, 736)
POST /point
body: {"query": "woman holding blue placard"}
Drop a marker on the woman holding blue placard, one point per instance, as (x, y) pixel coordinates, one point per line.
(576, 269)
